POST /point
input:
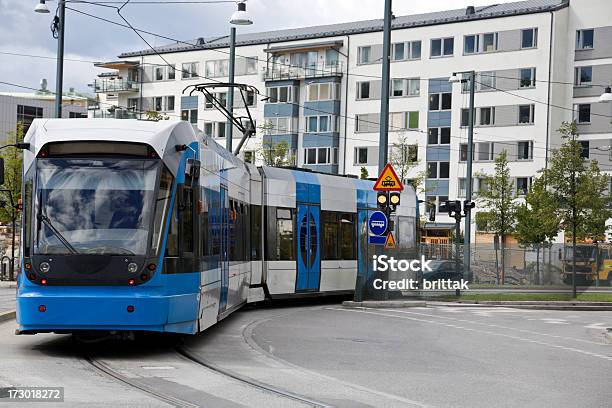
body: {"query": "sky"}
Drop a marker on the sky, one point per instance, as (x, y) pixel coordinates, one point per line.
(25, 32)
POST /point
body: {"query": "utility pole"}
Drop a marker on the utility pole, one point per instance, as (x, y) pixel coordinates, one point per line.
(59, 81)
(467, 239)
(384, 100)
(229, 131)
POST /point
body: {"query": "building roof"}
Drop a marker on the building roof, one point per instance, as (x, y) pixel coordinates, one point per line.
(43, 95)
(357, 27)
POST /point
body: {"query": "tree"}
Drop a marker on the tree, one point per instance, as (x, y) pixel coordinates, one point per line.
(537, 220)
(274, 154)
(403, 158)
(155, 116)
(364, 174)
(13, 163)
(579, 190)
(498, 198)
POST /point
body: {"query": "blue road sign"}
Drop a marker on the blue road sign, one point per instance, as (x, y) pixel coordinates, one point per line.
(378, 239)
(378, 223)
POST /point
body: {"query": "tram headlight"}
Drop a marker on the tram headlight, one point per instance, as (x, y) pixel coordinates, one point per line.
(44, 267)
(132, 267)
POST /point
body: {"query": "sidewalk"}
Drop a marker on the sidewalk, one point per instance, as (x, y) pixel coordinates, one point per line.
(7, 298)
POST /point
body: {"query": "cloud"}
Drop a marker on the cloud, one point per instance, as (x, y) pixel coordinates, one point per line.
(23, 31)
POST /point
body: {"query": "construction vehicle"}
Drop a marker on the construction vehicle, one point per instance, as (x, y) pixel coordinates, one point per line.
(593, 264)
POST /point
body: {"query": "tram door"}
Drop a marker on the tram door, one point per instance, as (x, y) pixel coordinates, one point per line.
(309, 253)
(224, 257)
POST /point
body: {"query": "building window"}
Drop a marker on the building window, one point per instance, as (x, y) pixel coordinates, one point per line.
(406, 51)
(526, 114)
(583, 76)
(77, 115)
(529, 38)
(485, 151)
(280, 94)
(487, 81)
(278, 126)
(171, 72)
(412, 120)
(365, 55)
(190, 115)
(438, 170)
(397, 87)
(169, 100)
(487, 116)
(218, 68)
(489, 42)
(442, 47)
(399, 53)
(528, 78)
(522, 186)
(438, 135)
(441, 202)
(320, 155)
(585, 149)
(414, 86)
(441, 101)
(465, 117)
(251, 65)
(27, 114)
(585, 39)
(584, 113)
(363, 90)
(190, 70)
(319, 124)
(524, 150)
(361, 155)
(321, 92)
(415, 50)
(159, 73)
(249, 156)
(470, 44)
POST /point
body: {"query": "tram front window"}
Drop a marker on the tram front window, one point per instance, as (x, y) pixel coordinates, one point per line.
(95, 206)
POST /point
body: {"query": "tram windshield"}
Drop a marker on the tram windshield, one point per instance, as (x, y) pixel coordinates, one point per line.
(94, 206)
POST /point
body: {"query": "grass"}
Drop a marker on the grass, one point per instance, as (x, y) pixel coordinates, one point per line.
(543, 297)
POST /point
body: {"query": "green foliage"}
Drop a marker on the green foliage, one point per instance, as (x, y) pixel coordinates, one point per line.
(13, 163)
(579, 189)
(276, 154)
(402, 156)
(483, 219)
(538, 222)
(364, 174)
(499, 198)
(155, 116)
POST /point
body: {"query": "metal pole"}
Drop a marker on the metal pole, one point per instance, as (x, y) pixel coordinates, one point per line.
(468, 180)
(59, 81)
(457, 246)
(12, 269)
(229, 131)
(383, 144)
(384, 100)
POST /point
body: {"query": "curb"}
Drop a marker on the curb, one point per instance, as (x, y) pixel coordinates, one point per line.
(533, 305)
(5, 316)
(384, 304)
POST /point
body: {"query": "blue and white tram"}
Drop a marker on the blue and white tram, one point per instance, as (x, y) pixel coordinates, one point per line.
(151, 226)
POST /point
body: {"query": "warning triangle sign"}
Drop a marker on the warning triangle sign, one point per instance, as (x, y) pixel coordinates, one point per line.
(388, 180)
(390, 242)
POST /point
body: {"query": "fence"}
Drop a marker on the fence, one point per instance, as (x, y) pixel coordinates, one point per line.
(550, 266)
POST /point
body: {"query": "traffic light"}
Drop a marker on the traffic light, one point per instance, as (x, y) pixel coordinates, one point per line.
(394, 200)
(432, 212)
(383, 200)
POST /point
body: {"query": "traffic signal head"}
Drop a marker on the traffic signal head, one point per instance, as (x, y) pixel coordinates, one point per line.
(432, 213)
(383, 200)
(394, 199)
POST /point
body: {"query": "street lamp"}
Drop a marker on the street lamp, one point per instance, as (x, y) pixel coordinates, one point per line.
(606, 96)
(41, 7)
(240, 17)
(58, 24)
(459, 77)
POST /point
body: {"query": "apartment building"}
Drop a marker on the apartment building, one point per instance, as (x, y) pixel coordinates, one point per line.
(537, 63)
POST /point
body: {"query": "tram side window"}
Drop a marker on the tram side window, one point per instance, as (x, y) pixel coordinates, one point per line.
(27, 214)
(255, 232)
(187, 222)
(172, 241)
(203, 215)
(348, 236)
(284, 235)
(161, 209)
(329, 251)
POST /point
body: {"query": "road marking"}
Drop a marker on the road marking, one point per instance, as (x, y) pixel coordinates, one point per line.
(598, 326)
(454, 326)
(158, 367)
(554, 321)
(497, 326)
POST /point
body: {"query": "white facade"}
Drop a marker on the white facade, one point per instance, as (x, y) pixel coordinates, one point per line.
(524, 55)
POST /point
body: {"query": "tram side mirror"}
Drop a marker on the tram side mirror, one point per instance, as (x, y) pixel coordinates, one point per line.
(1, 171)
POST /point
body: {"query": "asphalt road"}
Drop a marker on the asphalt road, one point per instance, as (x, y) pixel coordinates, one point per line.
(435, 356)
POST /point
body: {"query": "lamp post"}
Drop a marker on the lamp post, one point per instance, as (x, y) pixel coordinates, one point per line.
(60, 18)
(240, 17)
(467, 230)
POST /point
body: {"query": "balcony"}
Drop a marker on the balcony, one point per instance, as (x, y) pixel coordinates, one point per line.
(114, 114)
(115, 86)
(320, 70)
